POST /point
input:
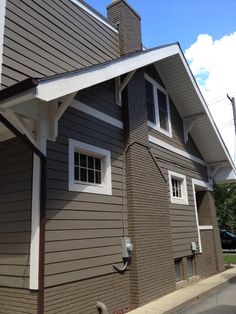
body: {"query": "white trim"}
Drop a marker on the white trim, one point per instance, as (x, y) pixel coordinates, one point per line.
(97, 16)
(106, 186)
(207, 186)
(196, 217)
(35, 221)
(156, 86)
(184, 199)
(173, 149)
(97, 114)
(203, 184)
(205, 227)
(2, 26)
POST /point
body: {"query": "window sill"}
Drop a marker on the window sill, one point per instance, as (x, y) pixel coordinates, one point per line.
(179, 201)
(157, 128)
(76, 187)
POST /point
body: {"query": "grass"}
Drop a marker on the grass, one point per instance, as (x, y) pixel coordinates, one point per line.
(230, 258)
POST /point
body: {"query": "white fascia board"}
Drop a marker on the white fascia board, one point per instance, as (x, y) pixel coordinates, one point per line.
(225, 175)
(204, 105)
(92, 13)
(18, 99)
(67, 84)
(2, 27)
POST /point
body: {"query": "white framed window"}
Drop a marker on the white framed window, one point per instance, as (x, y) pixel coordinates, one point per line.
(158, 107)
(89, 168)
(178, 188)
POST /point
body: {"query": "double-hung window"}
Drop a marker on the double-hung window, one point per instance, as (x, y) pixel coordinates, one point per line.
(158, 107)
(89, 168)
(178, 188)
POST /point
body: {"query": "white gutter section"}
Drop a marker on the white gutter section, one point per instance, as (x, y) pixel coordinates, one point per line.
(97, 16)
(2, 25)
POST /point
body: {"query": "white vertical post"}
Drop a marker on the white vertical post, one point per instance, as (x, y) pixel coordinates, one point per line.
(42, 130)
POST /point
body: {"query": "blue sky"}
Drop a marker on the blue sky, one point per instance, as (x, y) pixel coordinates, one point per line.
(167, 21)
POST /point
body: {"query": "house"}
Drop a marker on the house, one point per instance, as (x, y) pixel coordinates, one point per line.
(108, 153)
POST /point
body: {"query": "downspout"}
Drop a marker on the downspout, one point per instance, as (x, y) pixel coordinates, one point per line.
(42, 157)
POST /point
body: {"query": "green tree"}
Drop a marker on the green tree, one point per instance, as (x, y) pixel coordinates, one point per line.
(225, 199)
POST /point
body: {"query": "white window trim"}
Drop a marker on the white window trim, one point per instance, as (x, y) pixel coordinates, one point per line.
(156, 126)
(178, 176)
(106, 186)
(207, 186)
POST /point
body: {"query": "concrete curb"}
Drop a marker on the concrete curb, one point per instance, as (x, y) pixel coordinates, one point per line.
(188, 295)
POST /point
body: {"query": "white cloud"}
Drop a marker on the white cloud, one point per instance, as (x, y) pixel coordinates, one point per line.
(213, 63)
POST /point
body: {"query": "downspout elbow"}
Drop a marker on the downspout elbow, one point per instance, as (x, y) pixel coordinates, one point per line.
(101, 307)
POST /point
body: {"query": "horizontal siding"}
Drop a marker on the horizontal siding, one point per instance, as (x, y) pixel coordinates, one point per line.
(17, 301)
(82, 296)
(101, 100)
(84, 230)
(44, 38)
(183, 220)
(15, 213)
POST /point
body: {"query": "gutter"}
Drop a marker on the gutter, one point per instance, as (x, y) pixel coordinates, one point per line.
(42, 157)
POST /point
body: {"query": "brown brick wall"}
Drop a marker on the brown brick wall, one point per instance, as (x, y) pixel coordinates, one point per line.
(152, 268)
(129, 26)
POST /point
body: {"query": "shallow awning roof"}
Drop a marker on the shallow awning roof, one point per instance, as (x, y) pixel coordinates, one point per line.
(177, 78)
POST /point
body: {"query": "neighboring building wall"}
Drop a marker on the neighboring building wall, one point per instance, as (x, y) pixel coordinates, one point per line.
(84, 230)
(44, 38)
(15, 226)
(152, 268)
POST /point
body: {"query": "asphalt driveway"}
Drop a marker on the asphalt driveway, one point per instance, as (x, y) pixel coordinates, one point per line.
(220, 301)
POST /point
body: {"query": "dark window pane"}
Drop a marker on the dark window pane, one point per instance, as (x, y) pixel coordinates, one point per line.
(83, 175)
(177, 270)
(190, 266)
(90, 162)
(83, 160)
(91, 176)
(76, 173)
(76, 158)
(150, 102)
(163, 113)
(97, 164)
(98, 178)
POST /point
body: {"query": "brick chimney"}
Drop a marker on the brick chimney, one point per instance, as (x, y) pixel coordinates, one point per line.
(128, 21)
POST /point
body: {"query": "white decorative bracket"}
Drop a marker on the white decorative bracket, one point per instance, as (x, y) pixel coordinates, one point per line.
(58, 107)
(188, 123)
(22, 125)
(121, 86)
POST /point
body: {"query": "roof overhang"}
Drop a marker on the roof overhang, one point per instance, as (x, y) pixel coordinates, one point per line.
(175, 74)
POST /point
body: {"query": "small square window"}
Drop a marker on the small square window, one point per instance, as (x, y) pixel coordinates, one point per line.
(178, 188)
(89, 168)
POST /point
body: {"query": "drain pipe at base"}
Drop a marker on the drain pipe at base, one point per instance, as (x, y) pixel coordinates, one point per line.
(42, 157)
